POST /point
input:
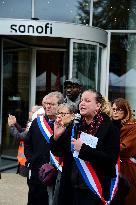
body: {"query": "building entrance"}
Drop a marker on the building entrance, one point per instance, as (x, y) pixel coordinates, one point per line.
(36, 64)
(51, 71)
(26, 79)
(15, 91)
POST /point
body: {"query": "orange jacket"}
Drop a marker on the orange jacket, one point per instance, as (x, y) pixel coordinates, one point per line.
(21, 157)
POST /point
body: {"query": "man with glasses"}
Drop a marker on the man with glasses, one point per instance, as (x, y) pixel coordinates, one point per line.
(73, 89)
(37, 149)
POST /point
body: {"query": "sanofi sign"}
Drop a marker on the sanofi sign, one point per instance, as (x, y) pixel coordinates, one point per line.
(52, 29)
(44, 29)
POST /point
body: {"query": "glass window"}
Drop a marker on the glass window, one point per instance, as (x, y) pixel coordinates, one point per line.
(0, 70)
(63, 10)
(15, 9)
(51, 72)
(113, 14)
(85, 65)
(15, 91)
(122, 76)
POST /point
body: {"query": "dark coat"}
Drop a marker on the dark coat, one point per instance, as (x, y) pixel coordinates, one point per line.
(37, 152)
(37, 149)
(103, 160)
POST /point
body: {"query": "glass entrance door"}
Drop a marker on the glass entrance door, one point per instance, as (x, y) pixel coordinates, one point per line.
(51, 72)
(85, 58)
(15, 91)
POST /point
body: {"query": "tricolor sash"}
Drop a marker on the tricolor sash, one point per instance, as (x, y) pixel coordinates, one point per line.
(44, 128)
(47, 133)
(91, 177)
(56, 161)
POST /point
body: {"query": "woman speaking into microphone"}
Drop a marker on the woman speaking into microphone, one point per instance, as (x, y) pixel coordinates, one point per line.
(90, 170)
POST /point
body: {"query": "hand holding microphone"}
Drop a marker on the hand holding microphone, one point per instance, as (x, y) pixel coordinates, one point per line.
(77, 120)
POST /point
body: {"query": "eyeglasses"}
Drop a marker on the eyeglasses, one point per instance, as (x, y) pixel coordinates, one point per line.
(50, 104)
(63, 114)
(119, 110)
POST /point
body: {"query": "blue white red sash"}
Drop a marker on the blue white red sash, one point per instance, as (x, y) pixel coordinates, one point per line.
(56, 162)
(45, 128)
(92, 180)
(47, 133)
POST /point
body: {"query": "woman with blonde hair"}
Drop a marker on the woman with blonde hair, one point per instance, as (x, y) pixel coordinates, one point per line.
(90, 155)
(106, 106)
(122, 113)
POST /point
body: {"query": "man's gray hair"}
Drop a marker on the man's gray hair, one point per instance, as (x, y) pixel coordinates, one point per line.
(57, 95)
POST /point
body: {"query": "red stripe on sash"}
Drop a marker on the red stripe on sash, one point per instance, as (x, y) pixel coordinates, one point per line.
(97, 182)
(47, 125)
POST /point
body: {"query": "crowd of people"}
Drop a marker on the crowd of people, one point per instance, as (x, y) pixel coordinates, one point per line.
(90, 142)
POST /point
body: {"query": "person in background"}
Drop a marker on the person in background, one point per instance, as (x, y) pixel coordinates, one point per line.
(37, 149)
(40, 111)
(106, 106)
(123, 117)
(19, 134)
(73, 89)
(93, 150)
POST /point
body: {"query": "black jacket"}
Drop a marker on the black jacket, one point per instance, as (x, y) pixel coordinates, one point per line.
(37, 149)
(103, 158)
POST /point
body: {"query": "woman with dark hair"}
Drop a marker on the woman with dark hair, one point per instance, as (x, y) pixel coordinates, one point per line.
(122, 114)
(90, 155)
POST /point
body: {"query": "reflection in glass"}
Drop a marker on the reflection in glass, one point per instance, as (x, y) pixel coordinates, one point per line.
(85, 63)
(51, 72)
(74, 11)
(84, 11)
(15, 91)
(113, 14)
(122, 76)
(15, 9)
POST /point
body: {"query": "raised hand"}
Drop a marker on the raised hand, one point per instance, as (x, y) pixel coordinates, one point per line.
(59, 128)
(11, 120)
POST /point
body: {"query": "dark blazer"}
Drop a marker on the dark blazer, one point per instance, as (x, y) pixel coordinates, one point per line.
(37, 149)
(103, 159)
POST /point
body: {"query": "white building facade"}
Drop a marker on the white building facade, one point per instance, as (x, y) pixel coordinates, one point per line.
(43, 43)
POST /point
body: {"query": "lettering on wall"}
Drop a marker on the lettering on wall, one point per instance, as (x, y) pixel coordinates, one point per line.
(31, 29)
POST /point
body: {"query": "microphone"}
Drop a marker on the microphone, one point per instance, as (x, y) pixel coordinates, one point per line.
(77, 118)
(77, 121)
